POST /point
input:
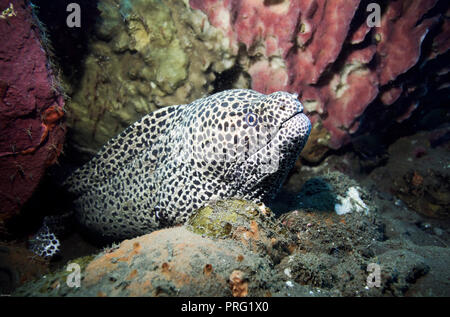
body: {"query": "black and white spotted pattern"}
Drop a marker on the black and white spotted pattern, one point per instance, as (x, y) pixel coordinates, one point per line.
(44, 243)
(236, 143)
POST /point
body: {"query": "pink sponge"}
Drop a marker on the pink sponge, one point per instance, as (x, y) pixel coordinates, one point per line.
(31, 108)
(326, 52)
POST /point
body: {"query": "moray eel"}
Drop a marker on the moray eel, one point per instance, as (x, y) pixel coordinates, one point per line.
(237, 143)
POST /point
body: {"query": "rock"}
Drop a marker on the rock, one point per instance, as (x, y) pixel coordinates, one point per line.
(31, 107)
(179, 261)
(334, 192)
(332, 250)
(169, 262)
(332, 234)
(253, 225)
(399, 270)
(54, 283)
(415, 175)
(336, 253)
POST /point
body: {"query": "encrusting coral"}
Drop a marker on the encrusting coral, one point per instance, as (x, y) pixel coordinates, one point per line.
(144, 55)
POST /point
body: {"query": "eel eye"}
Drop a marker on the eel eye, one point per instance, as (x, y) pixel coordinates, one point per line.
(251, 119)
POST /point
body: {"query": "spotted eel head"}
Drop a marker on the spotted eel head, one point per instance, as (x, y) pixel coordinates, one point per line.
(251, 140)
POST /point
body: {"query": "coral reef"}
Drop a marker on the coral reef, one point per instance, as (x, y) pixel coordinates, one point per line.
(31, 107)
(326, 52)
(362, 86)
(348, 75)
(143, 55)
(332, 250)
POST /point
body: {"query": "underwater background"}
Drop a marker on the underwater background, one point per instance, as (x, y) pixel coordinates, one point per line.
(371, 188)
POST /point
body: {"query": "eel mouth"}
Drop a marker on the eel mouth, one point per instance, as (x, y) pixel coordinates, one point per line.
(297, 126)
(298, 119)
(291, 117)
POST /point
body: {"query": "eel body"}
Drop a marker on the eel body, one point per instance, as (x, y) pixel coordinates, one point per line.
(236, 143)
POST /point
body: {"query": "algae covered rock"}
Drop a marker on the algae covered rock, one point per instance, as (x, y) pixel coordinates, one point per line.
(319, 224)
(228, 248)
(400, 269)
(220, 219)
(170, 262)
(57, 283)
(254, 225)
(144, 54)
(339, 235)
(333, 251)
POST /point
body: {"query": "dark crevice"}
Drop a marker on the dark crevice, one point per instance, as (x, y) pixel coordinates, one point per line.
(226, 79)
(70, 45)
(440, 8)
